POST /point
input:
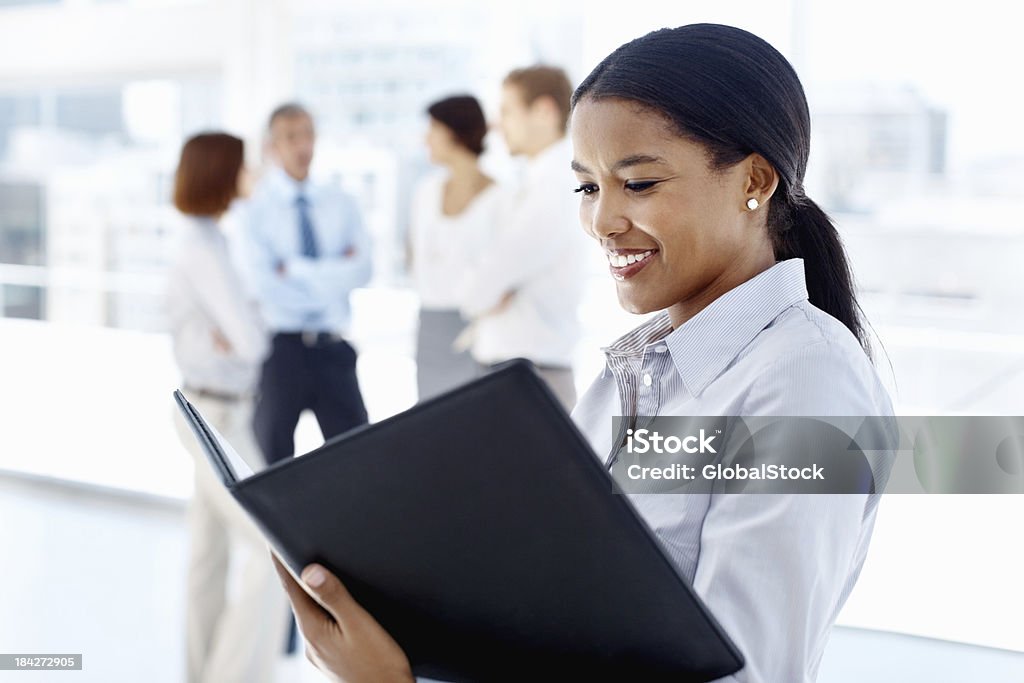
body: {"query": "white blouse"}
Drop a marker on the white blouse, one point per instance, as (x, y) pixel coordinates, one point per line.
(445, 247)
(205, 295)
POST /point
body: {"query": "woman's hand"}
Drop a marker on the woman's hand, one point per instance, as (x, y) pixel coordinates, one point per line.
(499, 307)
(342, 639)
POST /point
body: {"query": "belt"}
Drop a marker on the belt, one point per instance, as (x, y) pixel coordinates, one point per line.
(311, 338)
(223, 396)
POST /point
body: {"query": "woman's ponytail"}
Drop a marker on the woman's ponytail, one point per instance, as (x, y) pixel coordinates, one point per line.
(801, 229)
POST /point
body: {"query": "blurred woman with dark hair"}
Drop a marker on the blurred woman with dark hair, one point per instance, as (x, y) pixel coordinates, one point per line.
(453, 214)
(219, 343)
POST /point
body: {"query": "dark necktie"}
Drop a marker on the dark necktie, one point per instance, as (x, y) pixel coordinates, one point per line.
(307, 239)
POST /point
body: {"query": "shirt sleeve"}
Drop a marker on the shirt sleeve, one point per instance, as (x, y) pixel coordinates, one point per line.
(223, 299)
(775, 569)
(332, 276)
(533, 235)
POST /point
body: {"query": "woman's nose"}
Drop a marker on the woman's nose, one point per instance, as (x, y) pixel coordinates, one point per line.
(606, 218)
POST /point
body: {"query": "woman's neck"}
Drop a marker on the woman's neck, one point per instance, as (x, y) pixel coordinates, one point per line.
(465, 182)
(752, 264)
(463, 170)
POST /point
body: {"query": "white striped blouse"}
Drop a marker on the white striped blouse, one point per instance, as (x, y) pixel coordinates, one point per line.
(773, 569)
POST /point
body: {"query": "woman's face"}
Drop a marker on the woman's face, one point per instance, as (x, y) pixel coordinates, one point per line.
(245, 182)
(440, 142)
(648, 195)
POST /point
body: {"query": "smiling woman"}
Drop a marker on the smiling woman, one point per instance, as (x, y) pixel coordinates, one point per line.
(705, 179)
(690, 146)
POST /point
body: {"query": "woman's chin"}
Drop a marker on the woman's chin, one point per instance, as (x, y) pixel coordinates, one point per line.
(637, 305)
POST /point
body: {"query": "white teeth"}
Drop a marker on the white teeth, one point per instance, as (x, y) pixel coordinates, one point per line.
(620, 261)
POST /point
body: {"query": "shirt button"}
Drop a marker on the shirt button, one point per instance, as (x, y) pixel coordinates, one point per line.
(647, 380)
(661, 349)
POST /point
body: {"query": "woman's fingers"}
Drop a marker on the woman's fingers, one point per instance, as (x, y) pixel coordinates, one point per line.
(310, 614)
(331, 593)
(328, 593)
(341, 637)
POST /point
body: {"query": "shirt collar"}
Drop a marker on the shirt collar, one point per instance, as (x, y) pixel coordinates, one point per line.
(205, 222)
(286, 187)
(707, 343)
(634, 342)
(206, 225)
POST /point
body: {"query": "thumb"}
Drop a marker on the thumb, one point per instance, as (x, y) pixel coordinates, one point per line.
(330, 593)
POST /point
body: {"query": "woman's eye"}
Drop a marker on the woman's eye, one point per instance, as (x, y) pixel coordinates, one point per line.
(586, 188)
(640, 186)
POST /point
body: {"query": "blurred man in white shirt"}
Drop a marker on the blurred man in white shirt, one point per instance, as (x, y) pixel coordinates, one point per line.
(524, 293)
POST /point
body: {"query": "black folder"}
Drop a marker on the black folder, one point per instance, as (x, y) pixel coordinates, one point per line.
(483, 533)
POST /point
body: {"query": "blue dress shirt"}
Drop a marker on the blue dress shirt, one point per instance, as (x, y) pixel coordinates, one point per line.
(312, 294)
(774, 569)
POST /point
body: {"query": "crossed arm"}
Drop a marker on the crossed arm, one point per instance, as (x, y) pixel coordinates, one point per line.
(305, 285)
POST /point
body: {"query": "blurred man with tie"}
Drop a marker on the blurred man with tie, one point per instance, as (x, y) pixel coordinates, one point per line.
(305, 250)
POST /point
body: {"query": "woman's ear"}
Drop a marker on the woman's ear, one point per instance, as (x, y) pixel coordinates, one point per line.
(762, 178)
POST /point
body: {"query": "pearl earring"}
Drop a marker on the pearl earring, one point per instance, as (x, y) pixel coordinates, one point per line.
(752, 204)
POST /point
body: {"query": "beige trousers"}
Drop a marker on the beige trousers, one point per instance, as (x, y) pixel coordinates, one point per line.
(234, 633)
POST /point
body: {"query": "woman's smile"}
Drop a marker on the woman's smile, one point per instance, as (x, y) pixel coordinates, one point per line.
(625, 263)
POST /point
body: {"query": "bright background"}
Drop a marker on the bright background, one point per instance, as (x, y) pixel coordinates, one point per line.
(916, 153)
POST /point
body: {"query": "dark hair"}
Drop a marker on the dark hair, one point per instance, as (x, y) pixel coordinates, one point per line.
(287, 110)
(207, 177)
(735, 94)
(538, 81)
(464, 117)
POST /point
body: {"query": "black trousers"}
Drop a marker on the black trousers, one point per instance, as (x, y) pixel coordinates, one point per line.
(303, 372)
(306, 373)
